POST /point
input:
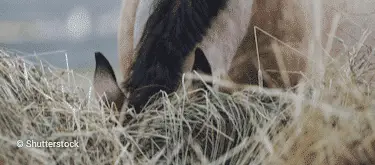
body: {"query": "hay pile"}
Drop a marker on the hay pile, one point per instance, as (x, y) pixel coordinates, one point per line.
(331, 122)
(327, 122)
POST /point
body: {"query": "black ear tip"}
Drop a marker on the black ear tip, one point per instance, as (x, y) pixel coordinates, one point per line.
(98, 53)
(102, 65)
(98, 56)
(101, 60)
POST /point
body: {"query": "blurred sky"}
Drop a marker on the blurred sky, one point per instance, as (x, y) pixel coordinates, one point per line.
(79, 27)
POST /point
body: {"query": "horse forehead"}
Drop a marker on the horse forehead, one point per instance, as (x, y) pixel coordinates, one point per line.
(144, 11)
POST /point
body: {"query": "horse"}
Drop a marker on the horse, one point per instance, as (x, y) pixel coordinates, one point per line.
(215, 37)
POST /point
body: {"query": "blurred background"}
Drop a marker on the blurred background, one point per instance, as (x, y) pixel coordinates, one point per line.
(77, 28)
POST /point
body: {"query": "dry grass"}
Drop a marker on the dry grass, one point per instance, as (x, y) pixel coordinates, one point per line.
(39, 104)
(329, 124)
(327, 119)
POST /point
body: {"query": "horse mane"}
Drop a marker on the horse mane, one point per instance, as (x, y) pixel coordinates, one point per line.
(170, 34)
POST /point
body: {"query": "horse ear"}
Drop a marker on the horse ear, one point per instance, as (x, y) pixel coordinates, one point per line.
(201, 65)
(105, 83)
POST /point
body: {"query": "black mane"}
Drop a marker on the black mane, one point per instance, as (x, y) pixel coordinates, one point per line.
(171, 33)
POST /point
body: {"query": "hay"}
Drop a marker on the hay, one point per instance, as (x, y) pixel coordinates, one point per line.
(329, 124)
(39, 105)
